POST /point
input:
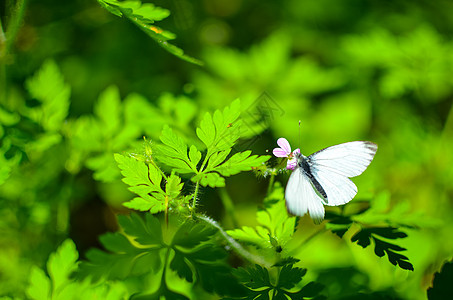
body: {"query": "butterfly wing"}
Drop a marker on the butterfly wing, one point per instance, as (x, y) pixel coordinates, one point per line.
(302, 198)
(333, 166)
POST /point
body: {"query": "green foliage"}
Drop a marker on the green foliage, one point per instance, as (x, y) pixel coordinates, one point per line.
(60, 266)
(275, 227)
(145, 180)
(144, 16)
(417, 59)
(47, 87)
(340, 224)
(6, 165)
(257, 279)
(141, 250)
(109, 130)
(219, 133)
(380, 71)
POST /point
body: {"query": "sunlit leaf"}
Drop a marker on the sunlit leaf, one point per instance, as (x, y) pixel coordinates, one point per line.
(144, 16)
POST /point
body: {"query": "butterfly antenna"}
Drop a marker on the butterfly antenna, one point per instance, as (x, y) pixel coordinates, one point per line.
(299, 134)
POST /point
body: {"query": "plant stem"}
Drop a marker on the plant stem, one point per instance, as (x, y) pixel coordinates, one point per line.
(271, 184)
(15, 22)
(235, 245)
(7, 39)
(229, 206)
(197, 186)
(195, 195)
(161, 172)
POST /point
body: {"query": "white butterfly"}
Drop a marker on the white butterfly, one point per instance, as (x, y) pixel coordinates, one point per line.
(323, 178)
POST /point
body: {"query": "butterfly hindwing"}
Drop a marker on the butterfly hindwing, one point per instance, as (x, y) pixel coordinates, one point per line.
(302, 198)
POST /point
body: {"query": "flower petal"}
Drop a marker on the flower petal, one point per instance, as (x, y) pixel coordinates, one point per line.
(279, 152)
(296, 151)
(291, 164)
(283, 143)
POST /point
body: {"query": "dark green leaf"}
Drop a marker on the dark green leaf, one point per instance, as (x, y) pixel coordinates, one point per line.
(365, 235)
(442, 283)
(290, 276)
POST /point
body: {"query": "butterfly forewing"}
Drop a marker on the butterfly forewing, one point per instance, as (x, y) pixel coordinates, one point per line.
(333, 166)
(348, 159)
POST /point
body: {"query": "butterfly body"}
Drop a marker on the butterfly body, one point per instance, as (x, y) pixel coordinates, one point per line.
(322, 178)
(304, 165)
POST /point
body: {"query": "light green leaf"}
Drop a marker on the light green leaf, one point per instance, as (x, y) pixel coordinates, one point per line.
(274, 217)
(136, 172)
(108, 110)
(144, 180)
(39, 286)
(275, 225)
(174, 186)
(239, 162)
(48, 87)
(61, 286)
(256, 236)
(141, 204)
(220, 132)
(173, 152)
(104, 167)
(210, 179)
(194, 156)
(62, 264)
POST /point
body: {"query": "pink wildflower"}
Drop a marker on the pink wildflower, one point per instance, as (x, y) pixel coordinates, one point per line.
(285, 151)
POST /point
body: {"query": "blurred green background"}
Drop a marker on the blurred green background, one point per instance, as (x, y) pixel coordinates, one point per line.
(349, 70)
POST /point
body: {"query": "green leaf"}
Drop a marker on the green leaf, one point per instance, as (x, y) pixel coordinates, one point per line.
(96, 138)
(173, 187)
(290, 276)
(108, 110)
(145, 180)
(191, 234)
(48, 87)
(62, 264)
(340, 224)
(275, 225)
(239, 162)
(144, 16)
(104, 167)
(173, 152)
(442, 283)
(220, 132)
(259, 284)
(140, 249)
(126, 258)
(39, 286)
(210, 179)
(365, 235)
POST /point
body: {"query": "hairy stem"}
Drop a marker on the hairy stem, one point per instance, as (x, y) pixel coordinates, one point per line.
(229, 206)
(195, 195)
(235, 245)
